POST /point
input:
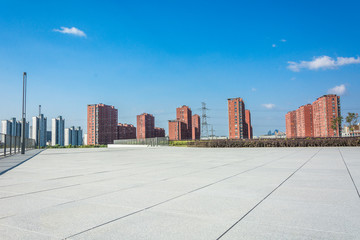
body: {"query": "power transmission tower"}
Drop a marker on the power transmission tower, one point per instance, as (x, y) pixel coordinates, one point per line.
(204, 123)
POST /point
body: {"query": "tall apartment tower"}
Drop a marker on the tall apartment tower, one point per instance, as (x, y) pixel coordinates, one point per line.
(57, 131)
(6, 127)
(304, 121)
(325, 109)
(196, 127)
(314, 120)
(19, 126)
(39, 129)
(101, 124)
(145, 126)
(248, 123)
(184, 114)
(73, 136)
(13, 128)
(290, 119)
(177, 130)
(237, 121)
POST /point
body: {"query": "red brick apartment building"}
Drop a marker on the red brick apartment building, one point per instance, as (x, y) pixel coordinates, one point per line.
(101, 124)
(314, 120)
(195, 127)
(184, 114)
(238, 124)
(145, 126)
(186, 126)
(304, 116)
(325, 109)
(159, 132)
(126, 131)
(248, 122)
(177, 130)
(290, 119)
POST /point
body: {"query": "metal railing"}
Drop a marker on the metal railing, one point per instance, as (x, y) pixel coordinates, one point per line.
(10, 145)
(159, 141)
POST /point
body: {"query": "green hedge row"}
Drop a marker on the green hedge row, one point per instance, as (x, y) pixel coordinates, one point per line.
(285, 142)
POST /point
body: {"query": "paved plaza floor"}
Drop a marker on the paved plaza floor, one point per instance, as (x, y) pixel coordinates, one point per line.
(183, 193)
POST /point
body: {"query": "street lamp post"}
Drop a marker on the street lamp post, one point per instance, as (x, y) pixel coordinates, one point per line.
(23, 114)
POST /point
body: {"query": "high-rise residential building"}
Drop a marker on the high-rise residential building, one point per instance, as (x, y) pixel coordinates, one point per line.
(85, 139)
(101, 124)
(314, 120)
(48, 137)
(182, 127)
(145, 126)
(73, 136)
(39, 130)
(177, 130)
(159, 132)
(13, 128)
(6, 127)
(238, 128)
(304, 121)
(248, 123)
(67, 136)
(126, 131)
(184, 114)
(325, 109)
(195, 127)
(290, 119)
(57, 131)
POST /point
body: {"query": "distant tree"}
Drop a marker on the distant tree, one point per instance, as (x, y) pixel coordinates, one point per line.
(336, 122)
(352, 119)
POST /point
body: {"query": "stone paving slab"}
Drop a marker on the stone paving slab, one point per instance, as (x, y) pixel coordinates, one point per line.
(183, 193)
(11, 161)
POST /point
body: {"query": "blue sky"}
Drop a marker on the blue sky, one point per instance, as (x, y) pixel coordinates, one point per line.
(153, 56)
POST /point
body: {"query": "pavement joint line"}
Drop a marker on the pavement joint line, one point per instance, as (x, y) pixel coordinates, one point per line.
(145, 184)
(262, 200)
(45, 190)
(5, 171)
(130, 187)
(51, 179)
(181, 195)
(67, 186)
(141, 185)
(348, 170)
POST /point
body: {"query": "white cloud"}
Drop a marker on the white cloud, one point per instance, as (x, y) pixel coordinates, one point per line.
(293, 78)
(283, 40)
(323, 62)
(253, 89)
(338, 90)
(72, 31)
(269, 105)
(274, 45)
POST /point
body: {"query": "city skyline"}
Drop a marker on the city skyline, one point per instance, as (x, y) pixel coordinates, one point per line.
(269, 54)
